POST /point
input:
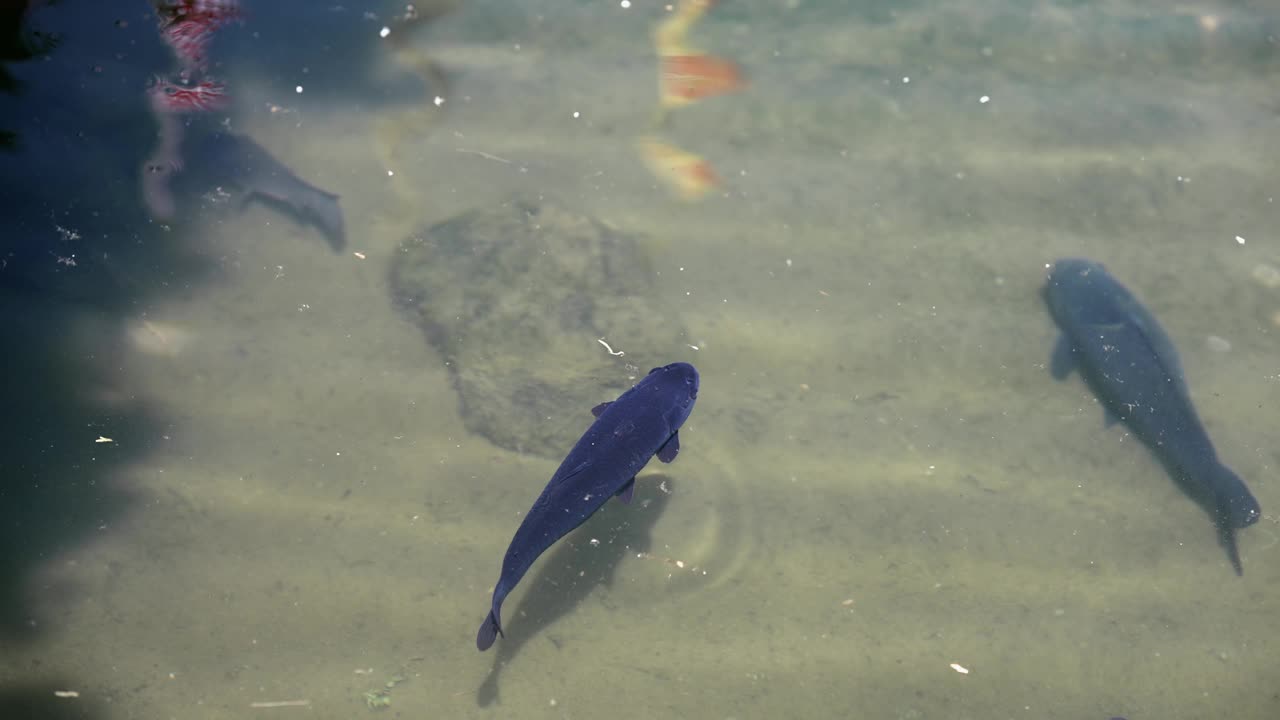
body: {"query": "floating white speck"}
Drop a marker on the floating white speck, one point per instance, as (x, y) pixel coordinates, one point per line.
(1239, 240)
(575, 115)
(625, 4)
(102, 439)
(298, 89)
(984, 99)
(385, 31)
(906, 80)
(438, 101)
(960, 668)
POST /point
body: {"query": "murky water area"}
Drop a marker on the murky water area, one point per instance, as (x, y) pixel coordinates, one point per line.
(304, 303)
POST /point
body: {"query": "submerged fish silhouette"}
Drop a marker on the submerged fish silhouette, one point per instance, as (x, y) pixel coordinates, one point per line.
(1131, 365)
(642, 422)
(224, 158)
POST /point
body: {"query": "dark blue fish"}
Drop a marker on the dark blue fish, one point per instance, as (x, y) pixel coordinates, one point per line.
(224, 158)
(642, 422)
(1131, 366)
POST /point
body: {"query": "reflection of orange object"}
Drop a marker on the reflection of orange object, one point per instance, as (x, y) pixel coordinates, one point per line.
(691, 176)
(670, 33)
(686, 78)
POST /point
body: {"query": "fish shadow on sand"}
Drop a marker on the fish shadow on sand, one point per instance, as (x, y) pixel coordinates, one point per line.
(576, 567)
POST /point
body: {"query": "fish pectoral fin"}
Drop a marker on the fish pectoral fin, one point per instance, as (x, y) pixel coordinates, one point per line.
(670, 448)
(598, 410)
(242, 200)
(627, 492)
(1063, 359)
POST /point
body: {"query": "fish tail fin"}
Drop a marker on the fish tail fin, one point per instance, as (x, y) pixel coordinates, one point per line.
(490, 629)
(1236, 509)
(324, 207)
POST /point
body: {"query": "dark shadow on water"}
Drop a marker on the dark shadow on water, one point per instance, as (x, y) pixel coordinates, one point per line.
(79, 261)
(61, 392)
(577, 567)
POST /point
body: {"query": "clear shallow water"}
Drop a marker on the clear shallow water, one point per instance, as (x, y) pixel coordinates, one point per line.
(879, 480)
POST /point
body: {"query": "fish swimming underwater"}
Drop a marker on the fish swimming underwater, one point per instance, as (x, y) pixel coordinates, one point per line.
(1130, 364)
(642, 422)
(224, 158)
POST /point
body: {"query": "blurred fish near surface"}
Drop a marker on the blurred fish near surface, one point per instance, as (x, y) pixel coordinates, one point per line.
(215, 156)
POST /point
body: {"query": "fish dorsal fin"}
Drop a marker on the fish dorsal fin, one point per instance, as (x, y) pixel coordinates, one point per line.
(1163, 348)
(598, 410)
(1156, 339)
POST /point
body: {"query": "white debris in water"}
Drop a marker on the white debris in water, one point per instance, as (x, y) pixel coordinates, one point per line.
(1239, 240)
(385, 31)
(984, 99)
(1218, 344)
(960, 668)
(298, 89)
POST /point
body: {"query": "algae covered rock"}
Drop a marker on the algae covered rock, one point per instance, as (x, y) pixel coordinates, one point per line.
(515, 297)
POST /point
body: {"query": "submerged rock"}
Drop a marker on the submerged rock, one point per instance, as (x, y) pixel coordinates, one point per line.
(516, 298)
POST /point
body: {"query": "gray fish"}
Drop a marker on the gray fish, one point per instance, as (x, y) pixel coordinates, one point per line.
(224, 158)
(642, 422)
(1130, 364)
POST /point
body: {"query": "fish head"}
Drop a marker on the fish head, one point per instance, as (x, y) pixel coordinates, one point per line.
(1071, 276)
(679, 386)
(1082, 292)
(1236, 505)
